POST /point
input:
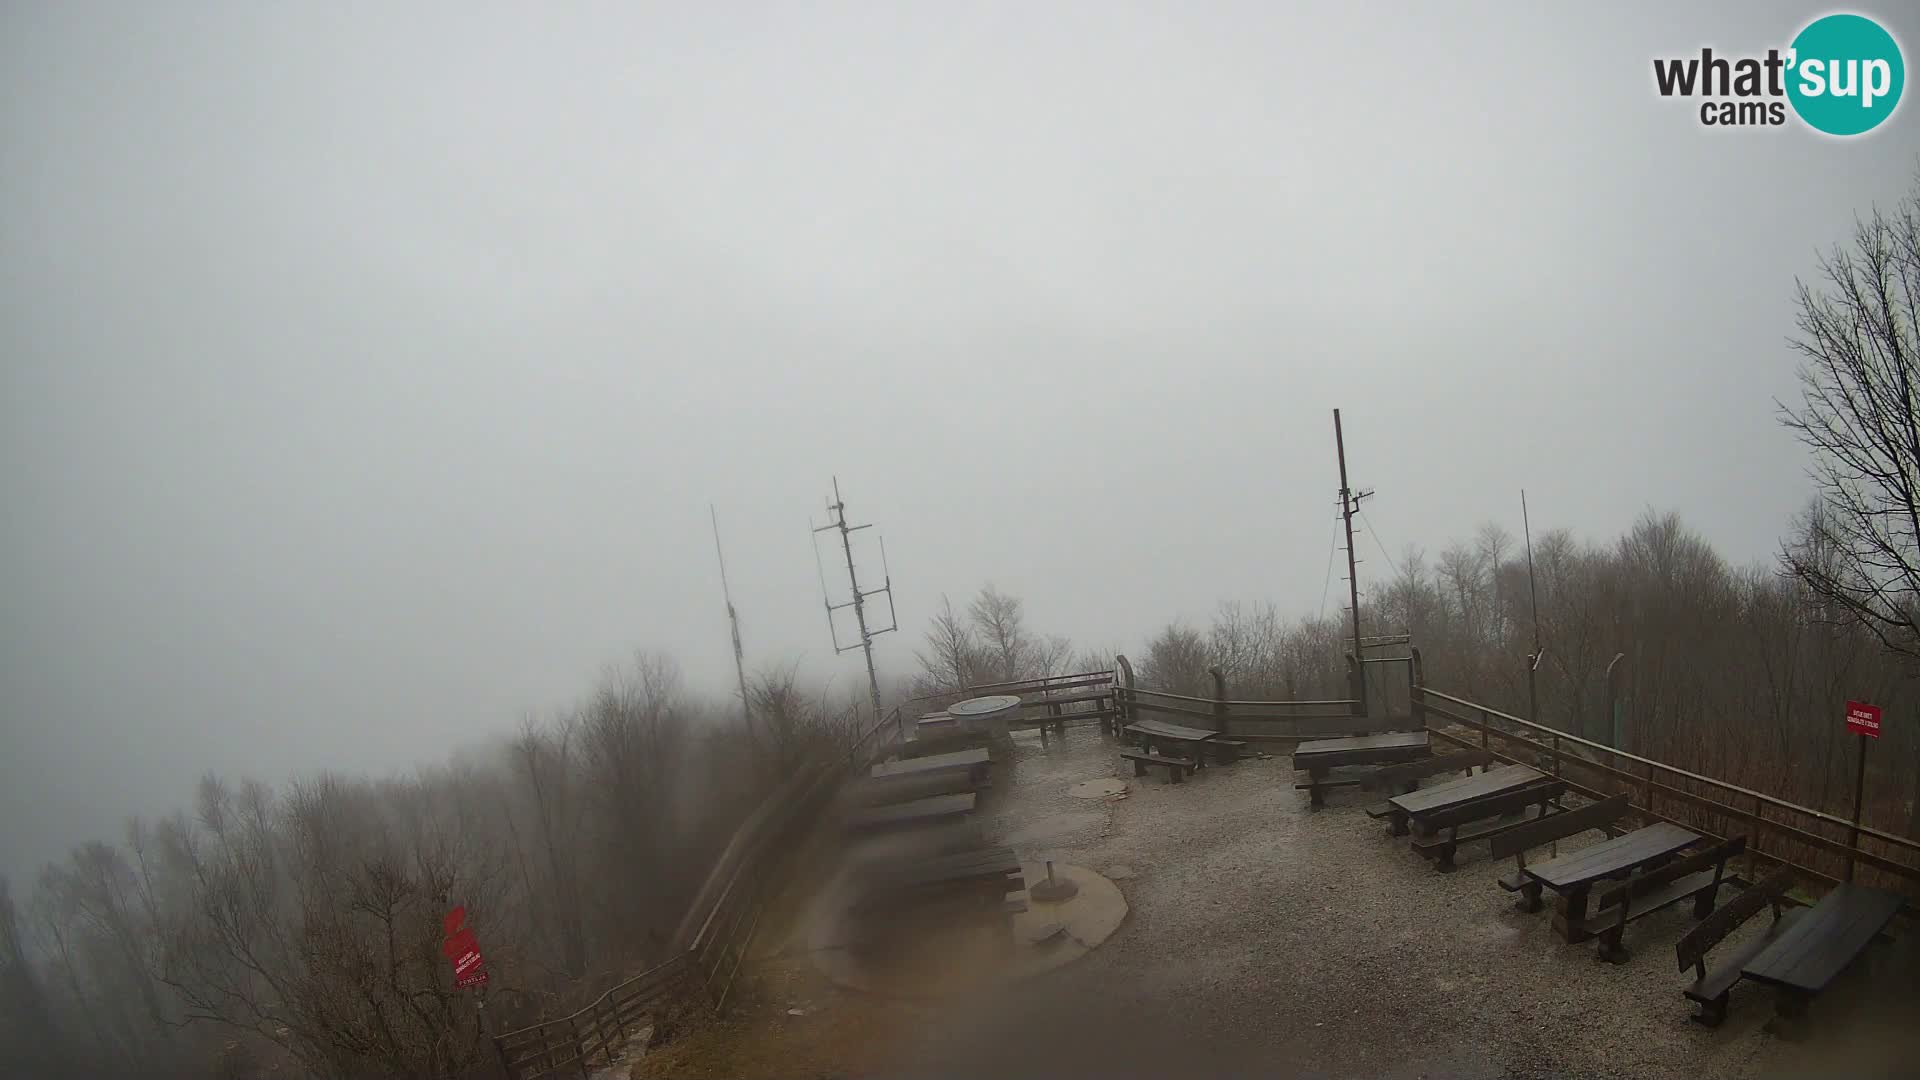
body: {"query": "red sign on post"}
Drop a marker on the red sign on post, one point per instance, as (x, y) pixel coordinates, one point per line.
(1863, 719)
(463, 949)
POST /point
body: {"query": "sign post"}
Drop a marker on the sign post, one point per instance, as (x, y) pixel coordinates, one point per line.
(1862, 720)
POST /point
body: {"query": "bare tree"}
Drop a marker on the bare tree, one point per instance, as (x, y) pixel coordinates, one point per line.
(951, 654)
(1860, 362)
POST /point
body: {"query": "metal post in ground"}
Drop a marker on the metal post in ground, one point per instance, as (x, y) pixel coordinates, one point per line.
(1859, 792)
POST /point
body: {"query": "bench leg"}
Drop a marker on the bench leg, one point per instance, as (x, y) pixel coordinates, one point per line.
(1530, 901)
(1316, 795)
(1712, 1012)
(1446, 865)
(1399, 824)
(1569, 913)
(1703, 903)
(1139, 767)
(1175, 774)
(1611, 950)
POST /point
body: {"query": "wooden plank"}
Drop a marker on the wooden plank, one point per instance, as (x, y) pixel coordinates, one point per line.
(907, 813)
(1591, 816)
(1416, 803)
(1823, 941)
(1610, 857)
(899, 789)
(958, 759)
(1360, 750)
(1693, 946)
(1162, 729)
(1393, 777)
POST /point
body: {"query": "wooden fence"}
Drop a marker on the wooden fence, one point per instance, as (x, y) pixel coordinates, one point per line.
(721, 927)
(1245, 719)
(1816, 844)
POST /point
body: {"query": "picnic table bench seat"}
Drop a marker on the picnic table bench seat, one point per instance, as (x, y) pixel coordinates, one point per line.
(1177, 767)
(1805, 958)
(1712, 987)
(1697, 876)
(938, 808)
(1318, 757)
(898, 789)
(1415, 806)
(1599, 815)
(1572, 877)
(1443, 827)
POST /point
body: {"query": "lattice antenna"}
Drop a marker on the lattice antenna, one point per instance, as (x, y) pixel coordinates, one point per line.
(837, 521)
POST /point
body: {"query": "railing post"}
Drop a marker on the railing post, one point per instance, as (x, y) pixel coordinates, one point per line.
(1486, 728)
(1753, 847)
(1219, 699)
(1123, 697)
(579, 1047)
(1416, 688)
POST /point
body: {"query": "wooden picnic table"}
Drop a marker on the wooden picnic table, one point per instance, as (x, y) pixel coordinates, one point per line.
(979, 864)
(1415, 805)
(1191, 738)
(1572, 876)
(1821, 942)
(1319, 756)
(917, 812)
(973, 761)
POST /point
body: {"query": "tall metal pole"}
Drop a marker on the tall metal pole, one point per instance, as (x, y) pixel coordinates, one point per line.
(733, 619)
(838, 508)
(1859, 793)
(1533, 658)
(1349, 505)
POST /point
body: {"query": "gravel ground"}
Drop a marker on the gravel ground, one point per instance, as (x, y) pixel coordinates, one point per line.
(1268, 940)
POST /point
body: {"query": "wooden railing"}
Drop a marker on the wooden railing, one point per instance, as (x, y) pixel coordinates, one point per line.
(1778, 831)
(721, 927)
(568, 1044)
(1248, 719)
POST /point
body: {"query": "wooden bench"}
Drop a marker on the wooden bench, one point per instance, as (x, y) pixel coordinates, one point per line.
(1444, 826)
(1824, 941)
(1177, 768)
(1226, 751)
(939, 808)
(1600, 815)
(1398, 779)
(1318, 757)
(1697, 875)
(1712, 987)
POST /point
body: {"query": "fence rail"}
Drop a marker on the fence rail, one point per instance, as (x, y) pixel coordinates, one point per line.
(727, 915)
(1693, 800)
(1246, 719)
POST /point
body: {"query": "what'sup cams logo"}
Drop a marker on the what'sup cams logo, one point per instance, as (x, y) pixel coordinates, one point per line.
(1842, 75)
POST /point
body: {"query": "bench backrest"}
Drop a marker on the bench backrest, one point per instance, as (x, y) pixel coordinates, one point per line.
(1710, 931)
(1395, 775)
(1641, 884)
(1506, 802)
(1559, 826)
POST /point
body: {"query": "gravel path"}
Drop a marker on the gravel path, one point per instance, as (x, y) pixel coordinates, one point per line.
(1265, 939)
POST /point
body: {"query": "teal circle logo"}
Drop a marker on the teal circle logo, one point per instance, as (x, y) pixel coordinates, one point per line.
(1845, 74)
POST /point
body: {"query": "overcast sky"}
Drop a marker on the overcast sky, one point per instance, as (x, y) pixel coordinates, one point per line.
(366, 371)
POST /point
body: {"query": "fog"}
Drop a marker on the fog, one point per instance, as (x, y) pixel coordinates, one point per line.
(367, 373)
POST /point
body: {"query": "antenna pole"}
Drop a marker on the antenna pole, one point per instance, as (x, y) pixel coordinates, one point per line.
(1533, 598)
(733, 619)
(838, 522)
(1350, 505)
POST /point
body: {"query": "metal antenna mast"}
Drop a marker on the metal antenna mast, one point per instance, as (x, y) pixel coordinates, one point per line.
(733, 618)
(838, 511)
(1350, 505)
